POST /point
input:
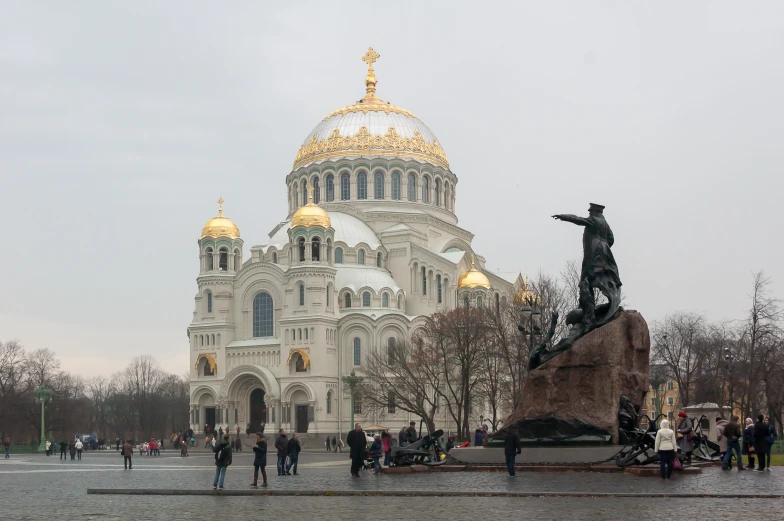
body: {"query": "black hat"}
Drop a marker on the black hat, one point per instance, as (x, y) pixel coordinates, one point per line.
(595, 208)
(412, 423)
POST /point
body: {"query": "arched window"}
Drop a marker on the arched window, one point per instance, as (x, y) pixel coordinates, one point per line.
(357, 352)
(378, 185)
(208, 254)
(345, 187)
(329, 297)
(301, 294)
(465, 302)
(438, 289)
(237, 260)
(329, 250)
(366, 299)
(391, 345)
(262, 315)
(209, 302)
(361, 257)
(396, 186)
(446, 195)
(306, 333)
(274, 257)
(347, 300)
(411, 187)
(424, 281)
(378, 260)
(338, 255)
(362, 185)
(385, 300)
(479, 302)
(437, 197)
(400, 302)
(299, 334)
(315, 253)
(425, 189)
(213, 339)
(208, 339)
(330, 188)
(224, 260)
(301, 246)
(316, 191)
(497, 303)
(329, 402)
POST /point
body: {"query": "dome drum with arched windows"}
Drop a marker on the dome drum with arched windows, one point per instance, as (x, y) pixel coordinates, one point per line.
(369, 248)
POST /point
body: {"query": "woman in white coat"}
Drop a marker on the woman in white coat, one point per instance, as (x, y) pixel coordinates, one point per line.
(665, 447)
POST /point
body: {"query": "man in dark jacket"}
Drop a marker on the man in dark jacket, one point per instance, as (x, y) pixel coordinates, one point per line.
(761, 431)
(357, 442)
(411, 432)
(259, 460)
(293, 449)
(733, 435)
(282, 445)
(63, 448)
(402, 437)
(512, 448)
(479, 437)
(222, 461)
(127, 454)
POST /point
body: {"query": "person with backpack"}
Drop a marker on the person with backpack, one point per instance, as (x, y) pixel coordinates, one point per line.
(259, 460)
(222, 462)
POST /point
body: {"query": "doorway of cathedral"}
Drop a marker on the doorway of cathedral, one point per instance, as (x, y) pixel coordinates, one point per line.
(258, 411)
(209, 417)
(302, 419)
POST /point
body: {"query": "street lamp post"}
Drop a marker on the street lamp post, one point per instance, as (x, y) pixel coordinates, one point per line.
(530, 323)
(352, 380)
(729, 367)
(42, 396)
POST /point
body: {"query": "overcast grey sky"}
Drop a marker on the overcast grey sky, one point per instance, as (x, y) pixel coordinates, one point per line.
(122, 123)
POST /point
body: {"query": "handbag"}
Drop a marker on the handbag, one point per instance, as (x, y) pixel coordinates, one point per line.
(676, 463)
(691, 436)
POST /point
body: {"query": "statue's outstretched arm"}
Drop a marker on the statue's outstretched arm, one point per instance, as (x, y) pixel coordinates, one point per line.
(574, 219)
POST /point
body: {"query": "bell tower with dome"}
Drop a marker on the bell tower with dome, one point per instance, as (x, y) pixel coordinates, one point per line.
(370, 247)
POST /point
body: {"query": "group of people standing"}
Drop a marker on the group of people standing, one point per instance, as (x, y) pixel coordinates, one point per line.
(73, 448)
(334, 444)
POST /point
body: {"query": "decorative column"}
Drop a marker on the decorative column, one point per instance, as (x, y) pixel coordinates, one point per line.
(42, 396)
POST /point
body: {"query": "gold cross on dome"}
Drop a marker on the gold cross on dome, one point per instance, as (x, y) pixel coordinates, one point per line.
(370, 57)
(220, 206)
(310, 194)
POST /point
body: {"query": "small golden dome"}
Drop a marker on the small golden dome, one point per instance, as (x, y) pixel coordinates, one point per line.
(473, 278)
(220, 226)
(311, 214)
(527, 296)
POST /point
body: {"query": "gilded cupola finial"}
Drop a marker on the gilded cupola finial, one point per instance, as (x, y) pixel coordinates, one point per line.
(370, 81)
(220, 207)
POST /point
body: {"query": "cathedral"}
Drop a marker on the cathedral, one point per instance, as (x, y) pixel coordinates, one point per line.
(370, 247)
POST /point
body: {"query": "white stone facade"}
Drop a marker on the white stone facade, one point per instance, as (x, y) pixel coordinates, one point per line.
(291, 325)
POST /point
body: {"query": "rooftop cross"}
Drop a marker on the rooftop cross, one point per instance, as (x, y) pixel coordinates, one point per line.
(370, 58)
(220, 207)
(310, 194)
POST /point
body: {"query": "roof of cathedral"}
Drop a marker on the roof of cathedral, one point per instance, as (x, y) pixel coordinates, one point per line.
(348, 229)
(371, 127)
(358, 277)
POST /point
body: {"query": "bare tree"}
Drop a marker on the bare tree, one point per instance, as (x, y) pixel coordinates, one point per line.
(676, 344)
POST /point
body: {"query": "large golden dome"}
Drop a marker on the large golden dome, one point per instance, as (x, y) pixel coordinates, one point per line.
(220, 225)
(311, 214)
(371, 126)
(527, 296)
(473, 278)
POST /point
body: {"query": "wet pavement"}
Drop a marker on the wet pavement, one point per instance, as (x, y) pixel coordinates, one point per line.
(36, 487)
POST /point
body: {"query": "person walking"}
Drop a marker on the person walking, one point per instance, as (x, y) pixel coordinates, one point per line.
(357, 444)
(334, 444)
(259, 460)
(63, 448)
(686, 430)
(282, 446)
(512, 447)
(327, 442)
(127, 454)
(79, 446)
(732, 434)
(721, 423)
(294, 448)
(376, 450)
(7, 447)
(117, 442)
(183, 448)
(72, 450)
(222, 461)
(748, 443)
(761, 432)
(386, 442)
(220, 433)
(665, 446)
(771, 438)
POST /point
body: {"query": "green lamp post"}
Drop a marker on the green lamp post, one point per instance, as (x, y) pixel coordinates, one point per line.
(352, 380)
(42, 396)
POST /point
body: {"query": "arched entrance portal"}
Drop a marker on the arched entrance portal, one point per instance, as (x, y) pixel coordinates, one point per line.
(258, 411)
